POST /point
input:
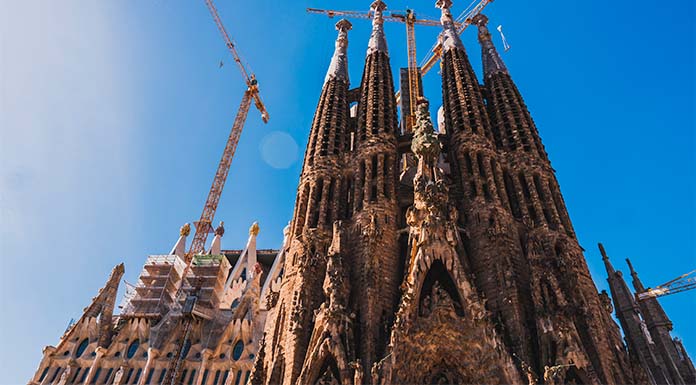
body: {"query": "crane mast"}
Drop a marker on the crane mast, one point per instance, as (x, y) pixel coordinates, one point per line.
(410, 20)
(463, 21)
(204, 224)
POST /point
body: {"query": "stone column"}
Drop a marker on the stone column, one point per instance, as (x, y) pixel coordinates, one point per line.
(206, 354)
(100, 352)
(152, 354)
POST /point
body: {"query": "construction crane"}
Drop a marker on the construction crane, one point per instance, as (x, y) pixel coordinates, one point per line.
(682, 283)
(409, 19)
(203, 225)
(463, 21)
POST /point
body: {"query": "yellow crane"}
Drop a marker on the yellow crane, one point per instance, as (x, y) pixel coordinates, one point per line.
(409, 19)
(204, 224)
(682, 283)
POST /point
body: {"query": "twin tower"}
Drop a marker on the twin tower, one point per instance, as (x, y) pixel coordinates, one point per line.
(427, 257)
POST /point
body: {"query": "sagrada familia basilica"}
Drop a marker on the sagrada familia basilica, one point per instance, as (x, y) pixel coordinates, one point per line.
(415, 255)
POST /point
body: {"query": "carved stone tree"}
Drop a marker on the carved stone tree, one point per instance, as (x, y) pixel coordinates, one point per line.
(442, 333)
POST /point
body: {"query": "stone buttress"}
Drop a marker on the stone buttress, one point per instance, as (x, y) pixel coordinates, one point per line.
(480, 193)
(373, 166)
(442, 333)
(321, 199)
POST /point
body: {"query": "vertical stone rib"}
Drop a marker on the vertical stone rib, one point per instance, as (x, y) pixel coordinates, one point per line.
(317, 204)
(375, 220)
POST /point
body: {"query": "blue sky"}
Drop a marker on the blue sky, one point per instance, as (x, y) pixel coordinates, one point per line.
(113, 116)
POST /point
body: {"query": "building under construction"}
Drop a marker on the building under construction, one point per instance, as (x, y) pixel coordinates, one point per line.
(415, 255)
(200, 325)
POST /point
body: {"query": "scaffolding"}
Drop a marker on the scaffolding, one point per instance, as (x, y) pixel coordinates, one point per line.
(206, 280)
(155, 291)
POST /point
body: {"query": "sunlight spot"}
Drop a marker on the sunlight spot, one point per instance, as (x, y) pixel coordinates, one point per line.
(279, 150)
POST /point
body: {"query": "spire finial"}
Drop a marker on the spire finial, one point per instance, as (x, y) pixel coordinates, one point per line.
(605, 258)
(254, 229)
(637, 284)
(377, 43)
(185, 230)
(492, 63)
(338, 69)
(449, 38)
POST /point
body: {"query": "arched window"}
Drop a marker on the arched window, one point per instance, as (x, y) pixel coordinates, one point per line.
(81, 348)
(237, 350)
(132, 348)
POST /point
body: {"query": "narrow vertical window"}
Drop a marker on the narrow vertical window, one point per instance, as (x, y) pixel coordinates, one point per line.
(77, 373)
(148, 380)
(386, 166)
(55, 374)
(43, 374)
(315, 203)
(192, 376)
(137, 375)
(512, 195)
(162, 374)
(216, 378)
(108, 375)
(330, 201)
(205, 377)
(84, 376)
(224, 377)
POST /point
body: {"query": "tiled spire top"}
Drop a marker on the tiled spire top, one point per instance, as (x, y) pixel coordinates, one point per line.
(449, 38)
(338, 69)
(492, 63)
(377, 43)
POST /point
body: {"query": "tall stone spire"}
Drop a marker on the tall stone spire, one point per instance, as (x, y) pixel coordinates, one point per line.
(322, 198)
(660, 327)
(338, 68)
(492, 63)
(375, 209)
(514, 132)
(638, 339)
(463, 105)
(449, 37)
(377, 43)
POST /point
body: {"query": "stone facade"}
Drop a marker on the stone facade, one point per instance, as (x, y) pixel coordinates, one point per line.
(440, 258)
(413, 257)
(216, 337)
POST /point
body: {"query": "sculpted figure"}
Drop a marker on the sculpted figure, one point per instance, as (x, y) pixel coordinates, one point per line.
(358, 373)
(118, 376)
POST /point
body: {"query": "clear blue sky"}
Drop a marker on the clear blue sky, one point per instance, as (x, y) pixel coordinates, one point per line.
(113, 115)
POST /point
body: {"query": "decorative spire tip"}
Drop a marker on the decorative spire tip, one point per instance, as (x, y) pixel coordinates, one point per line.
(185, 230)
(254, 229)
(344, 25)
